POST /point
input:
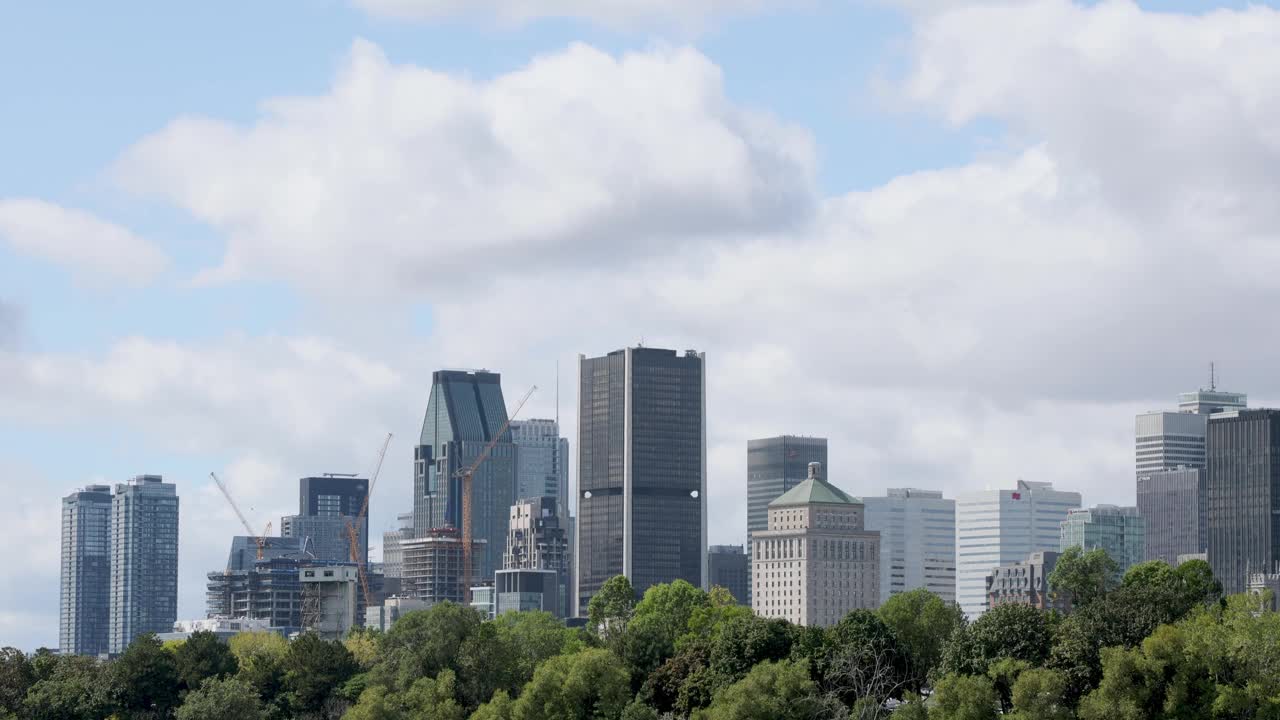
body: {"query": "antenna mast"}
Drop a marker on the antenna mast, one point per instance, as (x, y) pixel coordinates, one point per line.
(1213, 381)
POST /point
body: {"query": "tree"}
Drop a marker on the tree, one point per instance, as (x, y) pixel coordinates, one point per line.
(499, 707)
(363, 645)
(313, 671)
(424, 642)
(964, 697)
(219, 698)
(862, 658)
(1040, 694)
(610, 609)
(743, 642)
(662, 688)
(1085, 576)
(69, 687)
(203, 656)
(639, 711)
(779, 690)
(488, 660)
(260, 656)
(912, 708)
(658, 620)
(145, 679)
(923, 622)
(1004, 673)
(16, 677)
(589, 685)
(1020, 632)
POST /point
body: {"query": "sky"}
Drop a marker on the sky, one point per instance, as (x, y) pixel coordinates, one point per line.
(965, 241)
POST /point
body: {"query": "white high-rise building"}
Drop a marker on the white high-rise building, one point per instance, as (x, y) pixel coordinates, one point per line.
(1001, 527)
(1175, 440)
(542, 459)
(917, 541)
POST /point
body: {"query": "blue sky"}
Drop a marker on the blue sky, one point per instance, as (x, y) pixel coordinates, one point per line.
(1039, 221)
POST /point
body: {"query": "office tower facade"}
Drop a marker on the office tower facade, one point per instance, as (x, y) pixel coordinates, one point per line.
(917, 541)
(84, 599)
(433, 566)
(465, 411)
(1168, 440)
(774, 466)
(1211, 401)
(1120, 531)
(642, 469)
(327, 504)
(1027, 583)
(542, 459)
(1001, 527)
(816, 561)
(144, 559)
(537, 541)
(727, 567)
(392, 553)
(1172, 504)
(1242, 488)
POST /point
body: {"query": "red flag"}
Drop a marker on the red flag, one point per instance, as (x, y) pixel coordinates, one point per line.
(1017, 496)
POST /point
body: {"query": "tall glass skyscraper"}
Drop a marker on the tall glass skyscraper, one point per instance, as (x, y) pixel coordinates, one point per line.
(144, 559)
(642, 469)
(1243, 495)
(1172, 504)
(774, 466)
(86, 571)
(465, 411)
(542, 461)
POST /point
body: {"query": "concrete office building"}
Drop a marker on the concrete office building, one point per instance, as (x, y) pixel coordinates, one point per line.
(84, 599)
(1242, 491)
(465, 411)
(917, 541)
(1172, 506)
(382, 617)
(433, 566)
(1173, 440)
(529, 591)
(1120, 531)
(642, 470)
(816, 561)
(392, 553)
(537, 542)
(1211, 401)
(1002, 527)
(1027, 583)
(727, 567)
(542, 459)
(327, 504)
(144, 560)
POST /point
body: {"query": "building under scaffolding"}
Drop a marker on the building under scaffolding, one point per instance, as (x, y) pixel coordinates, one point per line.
(432, 569)
(269, 589)
(329, 602)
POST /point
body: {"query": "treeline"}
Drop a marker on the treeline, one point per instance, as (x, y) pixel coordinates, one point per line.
(1158, 643)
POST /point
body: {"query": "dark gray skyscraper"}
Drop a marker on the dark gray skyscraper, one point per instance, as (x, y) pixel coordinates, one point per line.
(774, 466)
(727, 567)
(464, 413)
(1243, 494)
(86, 571)
(144, 559)
(326, 504)
(642, 469)
(1172, 502)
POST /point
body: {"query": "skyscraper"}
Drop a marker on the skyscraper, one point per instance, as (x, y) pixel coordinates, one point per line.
(642, 469)
(1172, 503)
(1172, 440)
(1001, 527)
(728, 568)
(1120, 531)
(86, 571)
(816, 561)
(774, 466)
(464, 413)
(542, 459)
(917, 541)
(1242, 490)
(327, 504)
(392, 551)
(537, 540)
(144, 559)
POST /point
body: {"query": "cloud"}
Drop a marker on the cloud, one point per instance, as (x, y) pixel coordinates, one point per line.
(91, 247)
(680, 14)
(11, 322)
(405, 178)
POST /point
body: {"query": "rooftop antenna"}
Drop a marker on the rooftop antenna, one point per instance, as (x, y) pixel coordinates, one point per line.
(557, 394)
(1213, 381)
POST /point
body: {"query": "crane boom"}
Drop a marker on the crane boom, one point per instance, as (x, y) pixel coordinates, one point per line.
(353, 530)
(467, 474)
(259, 540)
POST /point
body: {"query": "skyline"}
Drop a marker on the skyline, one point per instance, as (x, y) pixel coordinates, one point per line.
(930, 268)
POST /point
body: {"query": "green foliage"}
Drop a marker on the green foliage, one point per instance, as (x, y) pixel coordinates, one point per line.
(1020, 632)
(922, 622)
(424, 642)
(1085, 576)
(964, 697)
(862, 658)
(203, 656)
(313, 671)
(363, 645)
(16, 677)
(1004, 673)
(144, 679)
(589, 685)
(707, 620)
(744, 642)
(427, 699)
(248, 645)
(1040, 694)
(610, 609)
(637, 710)
(499, 707)
(661, 617)
(67, 687)
(912, 708)
(219, 698)
(779, 690)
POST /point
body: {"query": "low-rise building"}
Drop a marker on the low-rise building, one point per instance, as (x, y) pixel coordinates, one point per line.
(1027, 583)
(382, 617)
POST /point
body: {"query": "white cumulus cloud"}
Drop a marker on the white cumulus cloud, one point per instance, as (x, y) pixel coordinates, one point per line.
(87, 245)
(644, 14)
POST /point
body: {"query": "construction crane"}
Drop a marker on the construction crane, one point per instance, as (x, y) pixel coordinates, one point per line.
(260, 540)
(353, 530)
(467, 474)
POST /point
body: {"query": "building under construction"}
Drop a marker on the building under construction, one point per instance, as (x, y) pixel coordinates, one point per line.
(329, 604)
(433, 566)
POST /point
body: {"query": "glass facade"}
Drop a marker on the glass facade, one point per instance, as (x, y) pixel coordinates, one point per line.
(86, 571)
(774, 466)
(728, 568)
(642, 469)
(1120, 531)
(1172, 504)
(1242, 486)
(144, 560)
(542, 463)
(464, 412)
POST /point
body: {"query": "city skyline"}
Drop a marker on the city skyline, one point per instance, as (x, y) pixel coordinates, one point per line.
(881, 228)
